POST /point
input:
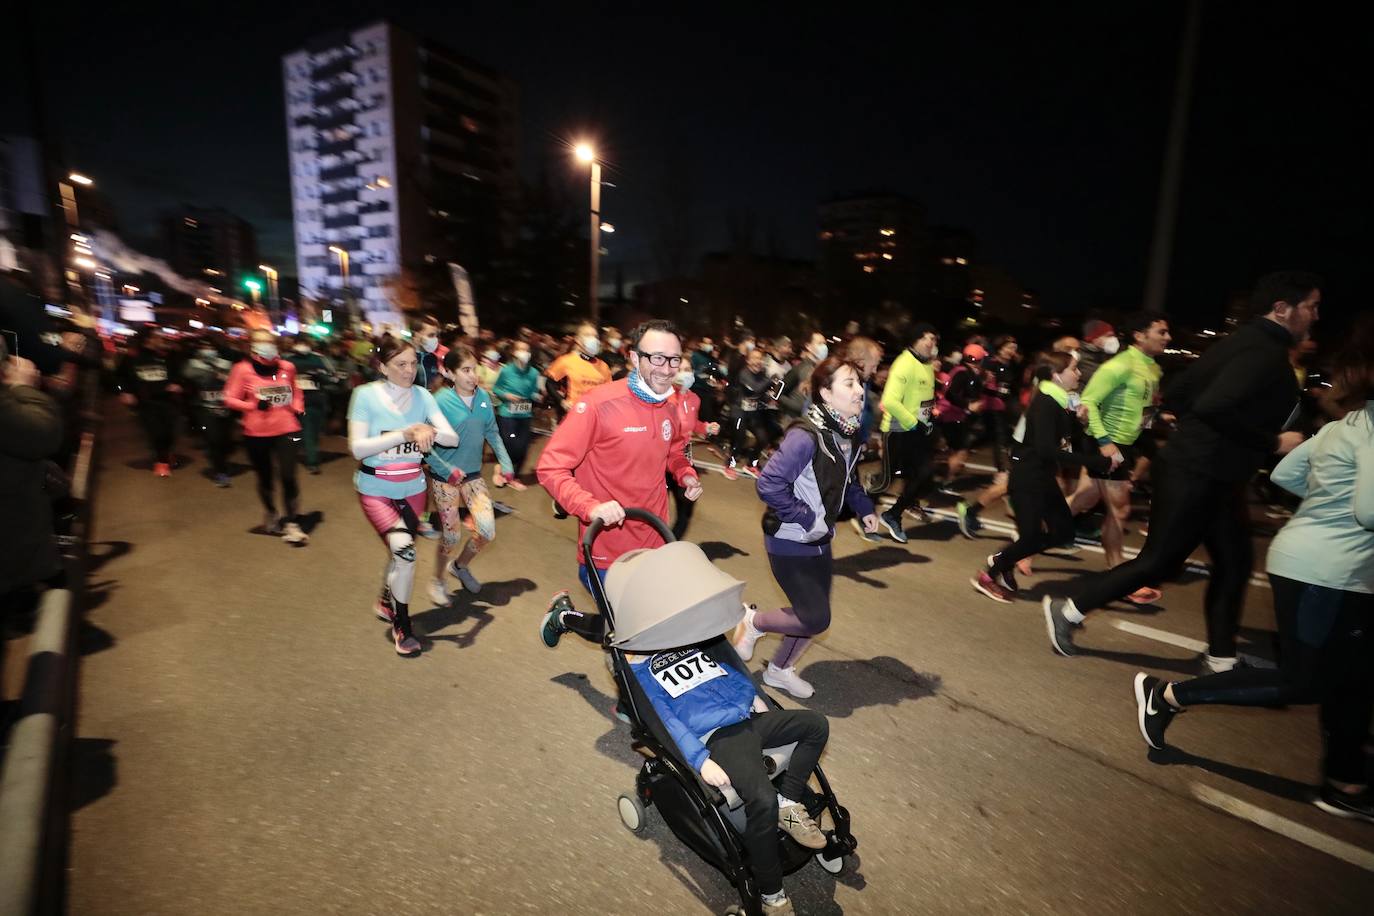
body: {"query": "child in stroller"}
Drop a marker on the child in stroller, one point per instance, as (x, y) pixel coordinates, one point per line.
(721, 726)
(714, 744)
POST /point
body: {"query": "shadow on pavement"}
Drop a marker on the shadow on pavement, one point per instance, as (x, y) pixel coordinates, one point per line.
(493, 594)
(101, 552)
(1137, 661)
(855, 565)
(719, 550)
(1278, 786)
(94, 771)
(845, 686)
(232, 469)
(614, 744)
(942, 530)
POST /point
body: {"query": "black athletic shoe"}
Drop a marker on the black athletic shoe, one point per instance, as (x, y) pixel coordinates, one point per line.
(893, 524)
(1060, 630)
(1153, 712)
(551, 627)
(1006, 579)
(1342, 804)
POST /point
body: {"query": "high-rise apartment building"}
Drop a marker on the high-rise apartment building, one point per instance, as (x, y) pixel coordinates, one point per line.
(400, 151)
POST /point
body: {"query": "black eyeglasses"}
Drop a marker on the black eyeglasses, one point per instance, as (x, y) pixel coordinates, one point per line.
(661, 359)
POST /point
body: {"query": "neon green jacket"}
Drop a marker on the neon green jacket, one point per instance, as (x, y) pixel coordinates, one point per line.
(1118, 394)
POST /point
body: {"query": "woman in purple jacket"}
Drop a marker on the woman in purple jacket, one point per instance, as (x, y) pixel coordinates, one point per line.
(804, 486)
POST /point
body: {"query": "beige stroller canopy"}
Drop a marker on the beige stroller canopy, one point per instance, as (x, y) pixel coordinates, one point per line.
(670, 596)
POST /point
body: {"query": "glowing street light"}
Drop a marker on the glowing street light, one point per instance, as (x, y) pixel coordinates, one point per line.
(607, 227)
(584, 153)
(78, 178)
(273, 299)
(587, 154)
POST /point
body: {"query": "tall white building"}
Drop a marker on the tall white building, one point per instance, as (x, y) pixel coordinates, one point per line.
(398, 148)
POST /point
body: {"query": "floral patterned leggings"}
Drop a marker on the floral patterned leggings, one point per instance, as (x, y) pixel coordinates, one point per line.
(450, 498)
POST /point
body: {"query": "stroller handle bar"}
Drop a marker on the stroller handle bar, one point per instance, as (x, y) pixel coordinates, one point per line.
(635, 515)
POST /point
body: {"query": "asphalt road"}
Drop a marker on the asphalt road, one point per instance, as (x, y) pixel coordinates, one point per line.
(249, 743)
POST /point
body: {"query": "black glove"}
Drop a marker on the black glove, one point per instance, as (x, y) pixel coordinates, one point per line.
(264, 404)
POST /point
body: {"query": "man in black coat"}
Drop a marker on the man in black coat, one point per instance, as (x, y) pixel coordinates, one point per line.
(1233, 407)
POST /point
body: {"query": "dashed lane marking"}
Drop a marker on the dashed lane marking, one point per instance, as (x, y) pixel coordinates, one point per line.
(1346, 852)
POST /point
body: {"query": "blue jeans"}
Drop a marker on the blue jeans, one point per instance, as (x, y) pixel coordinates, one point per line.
(591, 627)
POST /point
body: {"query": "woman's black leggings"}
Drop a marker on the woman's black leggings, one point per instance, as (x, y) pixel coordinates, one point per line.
(1326, 656)
(682, 508)
(159, 420)
(267, 453)
(515, 433)
(756, 422)
(806, 583)
(1043, 519)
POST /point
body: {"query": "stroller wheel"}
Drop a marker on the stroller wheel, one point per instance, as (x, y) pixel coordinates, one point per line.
(833, 866)
(631, 812)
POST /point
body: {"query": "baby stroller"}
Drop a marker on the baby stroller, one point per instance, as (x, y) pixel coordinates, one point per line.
(706, 819)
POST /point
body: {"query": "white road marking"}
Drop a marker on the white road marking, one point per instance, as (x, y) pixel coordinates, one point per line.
(1182, 642)
(1346, 852)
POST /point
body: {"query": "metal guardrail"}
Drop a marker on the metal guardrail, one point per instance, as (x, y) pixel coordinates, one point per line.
(35, 778)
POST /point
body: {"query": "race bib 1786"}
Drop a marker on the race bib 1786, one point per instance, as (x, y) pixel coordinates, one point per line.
(683, 670)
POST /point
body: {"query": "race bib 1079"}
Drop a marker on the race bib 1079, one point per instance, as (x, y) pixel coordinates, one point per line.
(683, 670)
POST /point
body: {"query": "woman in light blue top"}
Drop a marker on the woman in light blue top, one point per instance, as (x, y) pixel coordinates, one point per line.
(1321, 570)
(456, 473)
(392, 422)
(517, 388)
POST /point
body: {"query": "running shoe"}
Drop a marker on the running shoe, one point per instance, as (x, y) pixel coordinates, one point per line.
(1216, 664)
(984, 583)
(426, 530)
(271, 524)
(747, 634)
(1343, 804)
(858, 527)
(748, 471)
(729, 473)
(552, 628)
(921, 514)
(515, 484)
(222, 480)
(465, 576)
(1144, 596)
(382, 608)
(781, 907)
(293, 535)
(893, 524)
(1007, 579)
(969, 526)
(1059, 627)
(162, 469)
(406, 645)
(438, 594)
(619, 713)
(800, 826)
(787, 679)
(503, 508)
(1153, 712)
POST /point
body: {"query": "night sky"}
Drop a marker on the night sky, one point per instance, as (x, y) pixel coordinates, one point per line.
(1040, 130)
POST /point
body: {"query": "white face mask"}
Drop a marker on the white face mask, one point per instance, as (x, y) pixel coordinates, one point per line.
(492, 356)
(590, 345)
(522, 357)
(685, 378)
(265, 350)
(429, 344)
(613, 343)
(748, 346)
(1110, 345)
(706, 348)
(821, 351)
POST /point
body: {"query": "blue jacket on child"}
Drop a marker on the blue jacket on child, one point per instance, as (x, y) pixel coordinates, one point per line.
(708, 696)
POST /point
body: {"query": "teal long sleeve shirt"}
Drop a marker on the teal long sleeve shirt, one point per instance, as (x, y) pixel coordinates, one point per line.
(474, 425)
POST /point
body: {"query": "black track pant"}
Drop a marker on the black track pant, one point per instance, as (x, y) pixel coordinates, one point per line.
(1326, 656)
(1188, 509)
(738, 750)
(682, 508)
(269, 454)
(515, 434)
(909, 456)
(219, 433)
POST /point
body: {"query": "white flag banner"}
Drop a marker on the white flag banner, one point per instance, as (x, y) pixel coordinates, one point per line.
(467, 309)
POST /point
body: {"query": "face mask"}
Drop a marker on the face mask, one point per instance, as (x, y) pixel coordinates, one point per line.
(265, 351)
(821, 352)
(492, 356)
(685, 379)
(1110, 345)
(706, 348)
(523, 358)
(301, 348)
(430, 344)
(613, 343)
(590, 345)
(749, 346)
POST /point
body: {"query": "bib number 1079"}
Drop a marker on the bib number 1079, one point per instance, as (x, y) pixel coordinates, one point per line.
(680, 672)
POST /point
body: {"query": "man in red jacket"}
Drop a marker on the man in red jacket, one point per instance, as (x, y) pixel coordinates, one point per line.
(612, 451)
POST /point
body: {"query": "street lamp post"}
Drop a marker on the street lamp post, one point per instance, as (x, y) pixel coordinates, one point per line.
(585, 153)
(68, 191)
(343, 272)
(273, 293)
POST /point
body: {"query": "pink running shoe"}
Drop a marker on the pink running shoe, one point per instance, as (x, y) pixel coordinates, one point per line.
(406, 645)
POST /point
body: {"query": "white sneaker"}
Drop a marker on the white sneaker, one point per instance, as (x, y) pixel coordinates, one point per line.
(438, 594)
(292, 534)
(749, 634)
(787, 679)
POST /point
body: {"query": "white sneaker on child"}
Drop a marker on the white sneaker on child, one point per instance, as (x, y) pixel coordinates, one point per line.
(748, 634)
(787, 679)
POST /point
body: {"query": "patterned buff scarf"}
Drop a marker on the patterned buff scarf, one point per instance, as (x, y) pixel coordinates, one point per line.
(640, 389)
(824, 416)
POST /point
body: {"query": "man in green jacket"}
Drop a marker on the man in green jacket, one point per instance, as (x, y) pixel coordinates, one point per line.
(908, 434)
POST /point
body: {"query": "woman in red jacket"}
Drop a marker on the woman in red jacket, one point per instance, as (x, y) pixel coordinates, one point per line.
(263, 389)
